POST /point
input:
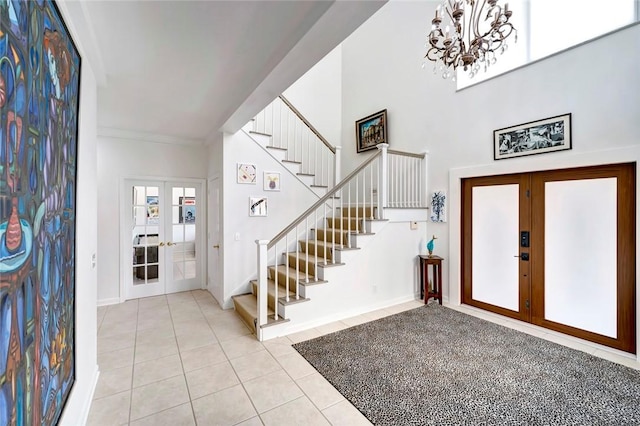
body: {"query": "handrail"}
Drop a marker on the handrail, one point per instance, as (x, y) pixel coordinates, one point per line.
(322, 200)
(406, 154)
(304, 120)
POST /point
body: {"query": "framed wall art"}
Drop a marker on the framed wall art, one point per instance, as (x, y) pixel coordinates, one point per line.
(257, 206)
(39, 102)
(247, 173)
(536, 137)
(271, 181)
(371, 131)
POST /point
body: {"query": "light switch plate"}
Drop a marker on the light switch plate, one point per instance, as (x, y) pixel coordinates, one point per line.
(414, 225)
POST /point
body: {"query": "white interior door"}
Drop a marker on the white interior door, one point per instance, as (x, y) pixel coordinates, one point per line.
(183, 225)
(162, 241)
(215, 281)
(143, 235)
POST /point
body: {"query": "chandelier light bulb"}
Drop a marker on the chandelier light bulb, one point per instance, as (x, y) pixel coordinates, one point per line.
(476, 30)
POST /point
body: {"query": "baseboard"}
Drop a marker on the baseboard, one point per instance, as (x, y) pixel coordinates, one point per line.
(80, 417)
(110, 301)
(343, 315)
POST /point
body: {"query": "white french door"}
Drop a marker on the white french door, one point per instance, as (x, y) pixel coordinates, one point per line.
(161, 238)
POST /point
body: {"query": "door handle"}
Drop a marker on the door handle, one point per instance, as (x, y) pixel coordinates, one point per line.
(169, 243)
(216, 246)
(161, 244)
(523, 256)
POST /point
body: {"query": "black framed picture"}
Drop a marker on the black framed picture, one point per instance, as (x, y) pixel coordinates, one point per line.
(371, 131)
(536, 137)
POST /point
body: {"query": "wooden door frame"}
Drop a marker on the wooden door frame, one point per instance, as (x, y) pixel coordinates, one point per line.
(575, 158)
(626, 236)
(524, 220)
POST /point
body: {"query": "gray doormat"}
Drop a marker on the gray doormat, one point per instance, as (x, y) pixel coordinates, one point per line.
(436, 366)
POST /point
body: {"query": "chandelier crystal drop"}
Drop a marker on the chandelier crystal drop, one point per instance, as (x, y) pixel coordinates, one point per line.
(477, 30)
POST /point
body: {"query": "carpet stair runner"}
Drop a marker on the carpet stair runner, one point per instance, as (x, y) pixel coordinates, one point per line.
(311, 256)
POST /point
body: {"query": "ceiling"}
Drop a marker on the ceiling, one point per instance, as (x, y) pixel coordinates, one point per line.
(183, 70)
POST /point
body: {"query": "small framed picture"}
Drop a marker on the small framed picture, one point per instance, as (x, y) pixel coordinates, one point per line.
(371, 131)
(271, 181)
(257, 206)
(537, 137)
(247, 173)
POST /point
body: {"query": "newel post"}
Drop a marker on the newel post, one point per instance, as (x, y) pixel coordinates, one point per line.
(337, 164)
(382, 179)
(262, 286)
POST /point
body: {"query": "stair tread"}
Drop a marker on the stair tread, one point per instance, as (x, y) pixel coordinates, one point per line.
(276, 147)
(271, 288)
(305, 174)
(321, 243)
(249, 303)
(312, 260)
(259, 133)
(291, 161)
(301, 275)
(319, 186)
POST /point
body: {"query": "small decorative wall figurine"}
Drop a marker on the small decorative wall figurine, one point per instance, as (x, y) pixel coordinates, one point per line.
(430, 245)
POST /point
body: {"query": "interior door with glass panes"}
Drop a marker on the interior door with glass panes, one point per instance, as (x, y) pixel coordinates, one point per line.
(182, 247)
(146, 275)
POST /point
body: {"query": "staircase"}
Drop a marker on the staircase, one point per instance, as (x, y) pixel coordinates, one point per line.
(297, 268)
(291, 139)
(305, 266)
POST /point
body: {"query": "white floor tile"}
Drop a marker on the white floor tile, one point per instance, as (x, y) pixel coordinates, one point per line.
(158, 396)
(272, 390)
(255, 365)
(319, 391)
(345, 414)
(211, 379)
(110, 410)
(227, 407)
(298, 412)
(182, 415)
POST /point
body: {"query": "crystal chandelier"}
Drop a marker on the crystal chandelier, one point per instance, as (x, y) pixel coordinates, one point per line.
(477, 30)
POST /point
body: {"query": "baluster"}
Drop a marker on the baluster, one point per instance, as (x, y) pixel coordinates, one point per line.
(308, 233)
(275, 247)
(324, 214)
(315, 252)
(341, 224)
(358, 230)
(349, 213)
(371, 192)
(286, 276)
(333, 230)
(298, 262)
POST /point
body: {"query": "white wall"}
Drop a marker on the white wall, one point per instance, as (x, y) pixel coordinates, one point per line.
(86, 367)
(119, 159)
(318, 96)
(239, 257)
(597, 82)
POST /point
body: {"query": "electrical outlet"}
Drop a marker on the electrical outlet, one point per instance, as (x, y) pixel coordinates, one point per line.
(414, 225)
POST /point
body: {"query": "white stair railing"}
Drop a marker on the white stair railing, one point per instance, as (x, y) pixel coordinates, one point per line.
(407, 180)
(290, 130)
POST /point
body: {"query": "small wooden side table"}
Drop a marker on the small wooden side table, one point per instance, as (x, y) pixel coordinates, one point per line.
(436, 264)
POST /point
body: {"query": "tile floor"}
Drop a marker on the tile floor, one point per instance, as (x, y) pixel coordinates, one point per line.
(180, 359)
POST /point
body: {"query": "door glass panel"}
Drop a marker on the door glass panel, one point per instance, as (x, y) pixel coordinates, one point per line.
(145, 234)
(495, 229)
(183, 232)
(580, 243)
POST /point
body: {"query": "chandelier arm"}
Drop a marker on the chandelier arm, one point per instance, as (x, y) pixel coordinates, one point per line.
(477, 16)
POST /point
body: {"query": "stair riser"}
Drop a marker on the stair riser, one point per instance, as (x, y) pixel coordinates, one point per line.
(270, 297)
(282, 279)
(329, 234)
(344, 224)
(361, 212)
(312, 249)
(247, 317)
(303, 266)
